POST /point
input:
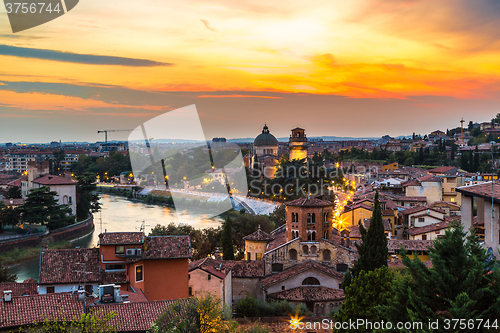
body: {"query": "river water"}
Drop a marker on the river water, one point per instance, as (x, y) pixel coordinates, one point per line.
(120, 214)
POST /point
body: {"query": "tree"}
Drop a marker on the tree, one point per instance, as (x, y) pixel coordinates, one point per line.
(278, 216)
(366, 292)
(88, 201)
(227, 240)
(372, 250)
(461, 284)
(471, 126)
(475, 167)
(41, 207)
(5, 275)
(195, 315)
(14, 192)
(409, 161)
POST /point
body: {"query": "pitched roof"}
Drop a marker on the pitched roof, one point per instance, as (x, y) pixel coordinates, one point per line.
(25, 310)
(133, 317)
(421, 208)
(309, 294)
(211, 266)
(167, 247)
(238, 269)
(483, 190)
(28, 287)
(69, 266)
(299, 268)
(121, 238)
(309, 201)
(259, 236)
(13, 202)
(53, 180)
(279, 239)
(427, 228)
(410, 245)
(444, 169)
(355, 233)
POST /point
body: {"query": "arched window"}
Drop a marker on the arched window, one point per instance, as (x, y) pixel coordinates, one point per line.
(327, 256)
(313, 235)
(305, 249)
(313, 249)
(308, 217)
(65, 200)
(325, 217)
(313, 218)
(311, 281)
(276, 267)
(292, 254)
(325, 234)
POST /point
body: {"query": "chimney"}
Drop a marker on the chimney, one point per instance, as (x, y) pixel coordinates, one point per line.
(117, 296)
(7, 295)
(81, 295)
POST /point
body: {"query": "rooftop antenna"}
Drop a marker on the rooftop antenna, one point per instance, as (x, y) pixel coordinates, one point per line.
(143, 225)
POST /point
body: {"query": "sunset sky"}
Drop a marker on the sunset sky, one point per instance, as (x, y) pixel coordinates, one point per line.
(360, 68)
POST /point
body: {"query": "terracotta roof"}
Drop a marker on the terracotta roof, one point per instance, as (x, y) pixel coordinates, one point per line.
(427, 228)
(450, 204)
(133, 317)
(238, 269)
(27, 310)
(309, 294)
(13, 202)
(309, 202)
(17, 182)
(356, 206)
(421, 208)
(53, 180)
(169, 247)
(28, 287)
(355, 233)
(279, 239)
(410, 245)
(405, 198)
(121, 238)
(445, 170)
(430, 178)
(299, 268)
(483, 190)
(259, 236)
(399, 264)
(69, 266)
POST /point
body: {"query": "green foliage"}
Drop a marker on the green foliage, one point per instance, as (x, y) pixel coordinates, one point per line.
(14, 192)
(459, 285)
(88, 323)
(250, 307)
(106, 168)
(195, 315)
(41, 207)
(278, 216)
(5, 275)
(366, 292)
(227, 240)
(372, 250)
(88, 201)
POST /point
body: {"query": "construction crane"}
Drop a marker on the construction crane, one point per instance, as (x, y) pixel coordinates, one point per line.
(106, 135)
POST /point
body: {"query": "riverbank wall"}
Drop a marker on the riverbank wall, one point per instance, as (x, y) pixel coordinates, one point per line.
(57, 235)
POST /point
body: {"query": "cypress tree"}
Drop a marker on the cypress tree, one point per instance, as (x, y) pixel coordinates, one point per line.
(227, 240)
(372, 250)
(476, 160)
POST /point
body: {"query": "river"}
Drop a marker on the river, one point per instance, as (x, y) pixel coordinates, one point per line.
(120, 214)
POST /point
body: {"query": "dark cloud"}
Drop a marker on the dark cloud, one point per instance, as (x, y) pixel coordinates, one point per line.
(88, 59)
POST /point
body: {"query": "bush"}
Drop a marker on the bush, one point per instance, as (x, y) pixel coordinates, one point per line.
(251, 307)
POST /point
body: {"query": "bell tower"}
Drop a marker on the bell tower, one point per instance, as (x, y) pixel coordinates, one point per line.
(297, 145)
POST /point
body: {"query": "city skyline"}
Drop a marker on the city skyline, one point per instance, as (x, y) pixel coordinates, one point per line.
(363, 69)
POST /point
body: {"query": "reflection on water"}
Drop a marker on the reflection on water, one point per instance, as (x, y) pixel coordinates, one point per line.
(120, 214)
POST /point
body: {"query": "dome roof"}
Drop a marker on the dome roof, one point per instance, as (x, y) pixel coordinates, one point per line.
(265, 138)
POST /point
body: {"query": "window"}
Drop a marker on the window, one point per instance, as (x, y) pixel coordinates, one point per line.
(452, 199)
(421, 219)
(326, 255)
(313, 218)
(50, 290)
(311, 281)
(114, 267)
(189, 276)
(139, 276)
(190, 291)
(305, 249)
(70, 200)
(119, 249)
(308, 217)
(258, 256)
(277, 267)
(249, 256)
(313, 249)
(65, 200)
(342, 268)
(292, 254)
(424, 237)
(452, 189)
(282, 287)
(313, 235)
(209, 277)
(325, 217)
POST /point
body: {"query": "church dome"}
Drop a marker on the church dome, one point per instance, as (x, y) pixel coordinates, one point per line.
(265, 138)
